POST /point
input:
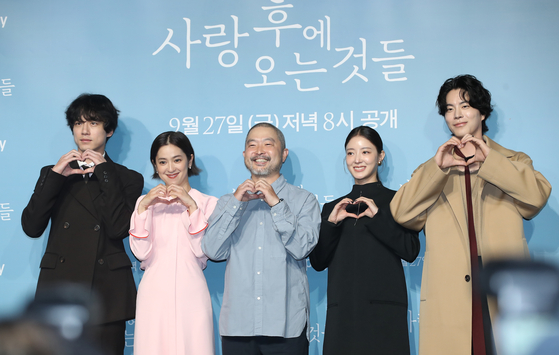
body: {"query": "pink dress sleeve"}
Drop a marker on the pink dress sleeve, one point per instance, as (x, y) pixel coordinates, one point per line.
(197, 222)
(140, 232)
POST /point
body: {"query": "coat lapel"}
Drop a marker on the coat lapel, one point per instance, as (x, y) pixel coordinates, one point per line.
(478, 188)
(85, 191)
(453, 193)
(94, 187)
(80, 191)
(495, 146)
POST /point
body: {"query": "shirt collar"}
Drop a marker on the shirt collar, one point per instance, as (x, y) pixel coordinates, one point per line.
(279, 183)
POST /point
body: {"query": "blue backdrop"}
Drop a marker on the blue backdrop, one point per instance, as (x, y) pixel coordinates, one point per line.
(314, 68)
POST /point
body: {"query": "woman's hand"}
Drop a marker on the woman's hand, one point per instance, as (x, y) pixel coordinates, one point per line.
(371, 209)
(179, 193)
(339, 212)
(160, 191)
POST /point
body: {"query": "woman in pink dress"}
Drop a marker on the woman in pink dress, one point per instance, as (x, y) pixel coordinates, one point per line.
(174, 311)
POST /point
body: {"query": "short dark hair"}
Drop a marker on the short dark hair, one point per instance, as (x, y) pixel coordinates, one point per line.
(179, 140)
(269, 125)
(477, 96)
(369, 134)
(93, 107)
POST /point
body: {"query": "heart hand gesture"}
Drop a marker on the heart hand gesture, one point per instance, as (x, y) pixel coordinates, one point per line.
(445, 157)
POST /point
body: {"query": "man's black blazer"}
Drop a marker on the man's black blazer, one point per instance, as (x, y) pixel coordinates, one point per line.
(90, 217)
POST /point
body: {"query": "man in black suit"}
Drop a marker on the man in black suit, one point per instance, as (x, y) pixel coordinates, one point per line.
(89, 200)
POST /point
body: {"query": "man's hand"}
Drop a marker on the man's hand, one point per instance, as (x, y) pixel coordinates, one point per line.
(267, 192)
(468, 144)
(93, 156)
(63, 167)
(247, 191)
(481, 148)
(445, 157)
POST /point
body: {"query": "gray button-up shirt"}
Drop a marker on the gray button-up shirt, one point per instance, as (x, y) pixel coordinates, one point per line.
(266, 287)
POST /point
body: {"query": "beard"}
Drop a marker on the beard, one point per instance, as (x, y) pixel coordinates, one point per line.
(262, 172)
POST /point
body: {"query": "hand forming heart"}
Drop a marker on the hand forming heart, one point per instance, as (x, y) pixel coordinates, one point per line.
(253, 195)
(167, 194)
(479, 152)
(358, 208)
(469, 145)
(260, 189)
(63, 167)
(370, 208)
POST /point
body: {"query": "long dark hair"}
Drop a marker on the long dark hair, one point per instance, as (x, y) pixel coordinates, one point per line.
(369, 134)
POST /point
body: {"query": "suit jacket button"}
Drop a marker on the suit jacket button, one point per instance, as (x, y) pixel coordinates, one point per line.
(101, 261)
(104, 172)
(106, 180)
(62, 259)
(96, 228)
(467, 278)
(66, 225)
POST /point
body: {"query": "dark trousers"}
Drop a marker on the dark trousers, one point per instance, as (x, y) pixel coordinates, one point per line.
(262, 345)
(109, 337)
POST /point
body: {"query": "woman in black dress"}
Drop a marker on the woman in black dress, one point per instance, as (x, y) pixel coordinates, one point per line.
(362, 247)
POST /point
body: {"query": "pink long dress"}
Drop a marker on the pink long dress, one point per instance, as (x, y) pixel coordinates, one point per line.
(174, 310)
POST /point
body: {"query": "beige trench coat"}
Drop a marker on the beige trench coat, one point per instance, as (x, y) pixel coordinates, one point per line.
(508, 190)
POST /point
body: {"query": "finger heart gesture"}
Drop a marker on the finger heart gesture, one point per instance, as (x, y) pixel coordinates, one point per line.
(469, 146)
(358, 208)
(168, 194)
(176, 192)
(63, 167)
(478, 149)
(247, 191)
(367, 207)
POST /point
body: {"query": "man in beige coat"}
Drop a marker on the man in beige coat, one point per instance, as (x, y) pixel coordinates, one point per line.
(505, 190)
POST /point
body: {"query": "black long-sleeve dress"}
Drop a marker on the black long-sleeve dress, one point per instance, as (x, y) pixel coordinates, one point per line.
(367, 296)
